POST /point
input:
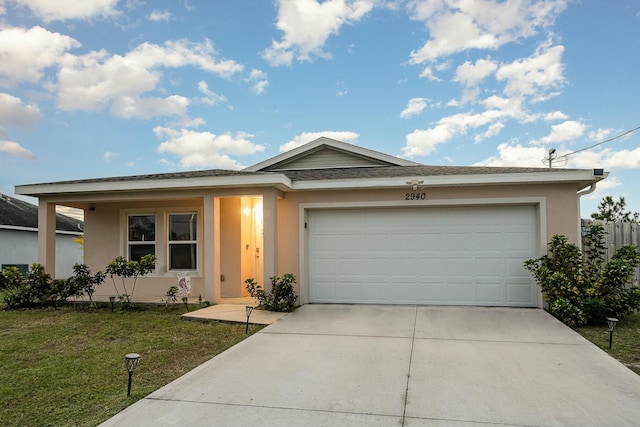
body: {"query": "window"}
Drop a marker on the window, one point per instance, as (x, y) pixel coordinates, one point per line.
(183, 247)
(141, 236)
(22, 268)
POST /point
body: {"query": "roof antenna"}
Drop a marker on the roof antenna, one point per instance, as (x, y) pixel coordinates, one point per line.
(552, 157)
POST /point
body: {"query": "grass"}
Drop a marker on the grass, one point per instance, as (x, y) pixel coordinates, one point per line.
(626, 340)
(65, 366)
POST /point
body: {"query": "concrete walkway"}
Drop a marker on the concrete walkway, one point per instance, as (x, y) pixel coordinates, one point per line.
(234, 313)
(341, 365)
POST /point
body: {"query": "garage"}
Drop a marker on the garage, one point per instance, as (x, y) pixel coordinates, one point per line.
(468, 255)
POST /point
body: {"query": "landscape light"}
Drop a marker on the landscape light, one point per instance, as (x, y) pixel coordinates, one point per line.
(131, 361)
(248, 309)
(611, 321)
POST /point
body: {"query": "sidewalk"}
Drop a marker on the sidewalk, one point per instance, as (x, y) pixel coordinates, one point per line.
(234, 313)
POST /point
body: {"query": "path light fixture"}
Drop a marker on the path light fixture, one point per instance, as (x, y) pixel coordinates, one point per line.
(131, 361)
(248, 309)
(611, 321)
(112, 300)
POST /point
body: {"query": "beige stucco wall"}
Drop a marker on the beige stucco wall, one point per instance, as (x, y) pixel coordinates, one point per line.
(557, 203)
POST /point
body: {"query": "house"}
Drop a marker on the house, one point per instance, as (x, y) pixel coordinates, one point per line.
(354, 226)
(19, 237)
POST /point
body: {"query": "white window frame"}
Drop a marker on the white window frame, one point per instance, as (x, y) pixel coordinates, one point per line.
(195, 242)
(162, 236)
(129, 243)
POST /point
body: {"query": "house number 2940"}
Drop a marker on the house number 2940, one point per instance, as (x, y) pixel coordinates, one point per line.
(415, 196)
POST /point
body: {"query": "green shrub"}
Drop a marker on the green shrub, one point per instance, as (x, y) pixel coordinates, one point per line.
(36, 287)
(124, 269)
(579, 286)
(282, 296)
(10, 278)
(83, 281)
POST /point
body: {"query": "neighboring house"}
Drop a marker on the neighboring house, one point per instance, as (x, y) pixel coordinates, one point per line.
(354, 225)
(19, 237)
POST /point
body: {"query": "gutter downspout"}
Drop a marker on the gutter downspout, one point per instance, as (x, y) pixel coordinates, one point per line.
(590, 190)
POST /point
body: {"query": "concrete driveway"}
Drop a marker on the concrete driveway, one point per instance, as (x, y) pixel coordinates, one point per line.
(345, 365)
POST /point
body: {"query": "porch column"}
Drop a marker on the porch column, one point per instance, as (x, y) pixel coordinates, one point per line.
(47, 236)
(270, 235)
(211, 252)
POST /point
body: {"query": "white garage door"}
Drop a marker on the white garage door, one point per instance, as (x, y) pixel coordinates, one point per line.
(422, 255)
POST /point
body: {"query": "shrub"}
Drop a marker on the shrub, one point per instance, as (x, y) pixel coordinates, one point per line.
(580, 287)
(282, 296)
(36, 287)
(83, 281)
(129, 269)
(10, 278)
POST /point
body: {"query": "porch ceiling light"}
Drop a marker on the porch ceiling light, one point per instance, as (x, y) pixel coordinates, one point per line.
(131, 362)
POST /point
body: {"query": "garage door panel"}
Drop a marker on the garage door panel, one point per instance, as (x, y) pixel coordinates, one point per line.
(466, 255)
(490, 295)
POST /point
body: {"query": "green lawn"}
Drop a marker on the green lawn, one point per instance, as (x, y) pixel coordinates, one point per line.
(626, 340)
(65, 366)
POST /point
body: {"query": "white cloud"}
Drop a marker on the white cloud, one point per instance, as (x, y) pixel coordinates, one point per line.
(260, 87)
(259, 80)
(414, 107)
(428, 74)
(422, 142)
(303, 138)
(565, 131)
(492, 131)
(516, 155)
(145, 108)
(535, 75)
(533, 156)
(60, 10)
(160, 16)
(211, 98)
(108, 155)
(96, 80)
(555, 115)
(13, 112)
(205, 149)
(471, 74)
(307, 24)
(25, 53)
(600, 134)
(455, 26)
(607, 158)
(15, 149)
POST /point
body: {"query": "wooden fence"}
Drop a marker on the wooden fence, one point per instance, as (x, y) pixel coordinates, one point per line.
(617, 235)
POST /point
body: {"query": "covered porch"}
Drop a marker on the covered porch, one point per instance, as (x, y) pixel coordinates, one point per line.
(232, 236)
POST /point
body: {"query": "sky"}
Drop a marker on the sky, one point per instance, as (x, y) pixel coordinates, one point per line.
(100, 88)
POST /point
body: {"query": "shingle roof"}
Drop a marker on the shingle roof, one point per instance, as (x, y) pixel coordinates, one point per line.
(18, 213)
(399, 171)
(161, 176)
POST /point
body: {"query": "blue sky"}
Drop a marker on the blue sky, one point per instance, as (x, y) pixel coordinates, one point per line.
(99, 88)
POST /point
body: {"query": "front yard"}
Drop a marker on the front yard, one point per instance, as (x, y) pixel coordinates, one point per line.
(626, 340)
(65, 366)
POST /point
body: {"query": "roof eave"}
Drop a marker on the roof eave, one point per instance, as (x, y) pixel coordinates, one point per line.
(583, 178)
(278, 181)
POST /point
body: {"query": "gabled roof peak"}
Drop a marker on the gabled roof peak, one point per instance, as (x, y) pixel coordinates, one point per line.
(329, 153)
